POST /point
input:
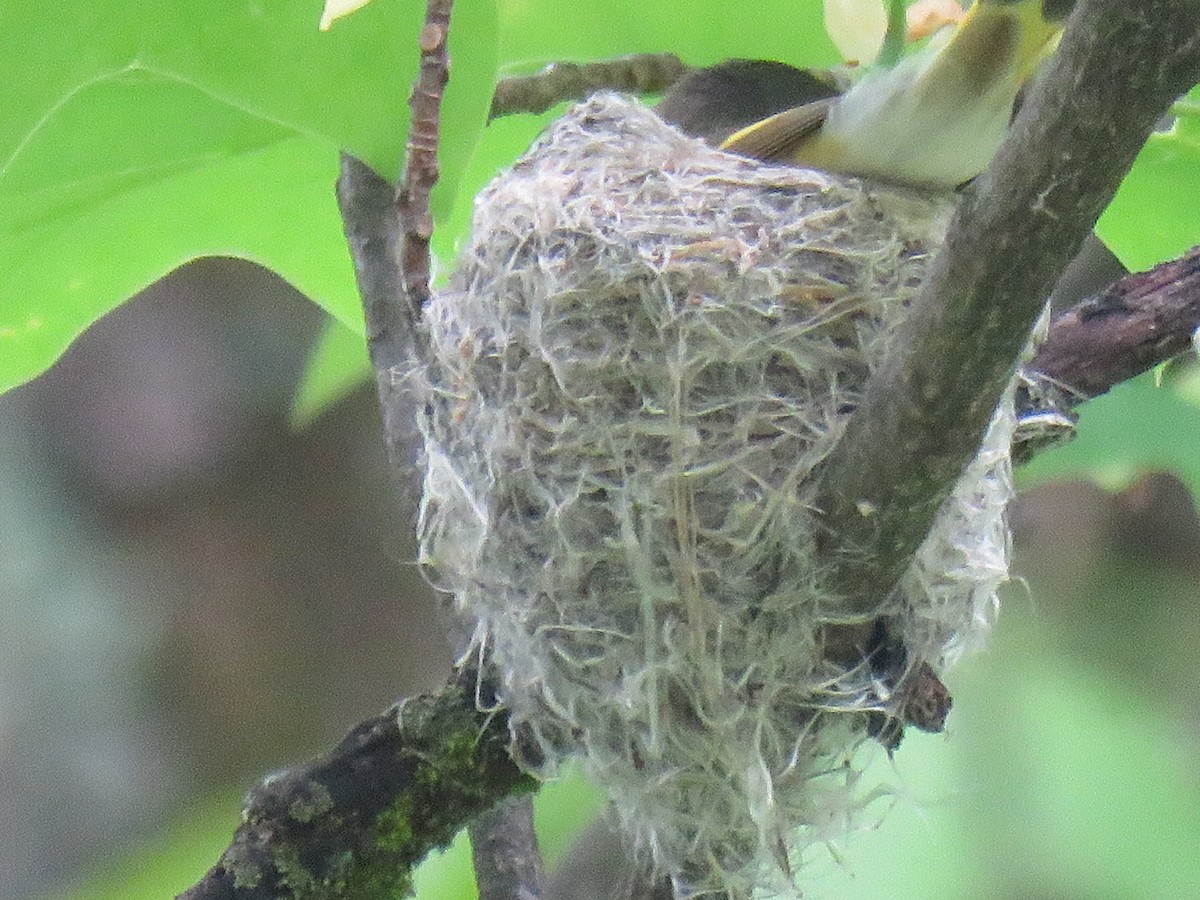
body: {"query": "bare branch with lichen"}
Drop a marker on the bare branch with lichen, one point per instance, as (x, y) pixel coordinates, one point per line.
(353, 823)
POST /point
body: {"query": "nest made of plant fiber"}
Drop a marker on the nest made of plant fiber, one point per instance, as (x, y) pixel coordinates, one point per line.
(646, 348)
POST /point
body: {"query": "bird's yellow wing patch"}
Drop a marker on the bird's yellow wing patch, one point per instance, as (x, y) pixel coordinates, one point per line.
(781, 135)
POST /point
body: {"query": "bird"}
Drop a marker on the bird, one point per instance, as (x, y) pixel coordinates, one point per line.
(935, 118)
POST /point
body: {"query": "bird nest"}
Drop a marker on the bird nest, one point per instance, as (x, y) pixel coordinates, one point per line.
(645, 351)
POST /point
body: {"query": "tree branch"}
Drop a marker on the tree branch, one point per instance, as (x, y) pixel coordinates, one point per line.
(645, 73)
(1124, 330)
(367, 204)
(352, 823)
(505, 853)
(1120, 65)
(421, 165)
(388, 231)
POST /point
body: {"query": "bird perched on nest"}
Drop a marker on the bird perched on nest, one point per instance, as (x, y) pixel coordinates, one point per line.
(934, 119)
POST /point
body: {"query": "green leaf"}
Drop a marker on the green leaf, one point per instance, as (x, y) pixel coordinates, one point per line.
(138, 135)
(133, 131)
(60, 275)
(339, 363)
(1154, 215)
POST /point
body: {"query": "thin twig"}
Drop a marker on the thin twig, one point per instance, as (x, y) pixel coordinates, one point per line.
(644, 73)
(1137, 323)
(505, 853)
(1120, 65)
(421, 164)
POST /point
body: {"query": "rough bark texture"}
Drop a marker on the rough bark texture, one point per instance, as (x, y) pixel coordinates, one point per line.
(1124, 330)
(353, 823)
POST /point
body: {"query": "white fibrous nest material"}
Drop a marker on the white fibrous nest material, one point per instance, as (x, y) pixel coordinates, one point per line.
(646, 348)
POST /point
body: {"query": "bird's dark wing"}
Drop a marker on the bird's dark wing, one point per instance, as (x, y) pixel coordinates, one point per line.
(715, 102)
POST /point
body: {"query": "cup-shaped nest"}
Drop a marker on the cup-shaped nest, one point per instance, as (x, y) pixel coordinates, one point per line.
(646, 349)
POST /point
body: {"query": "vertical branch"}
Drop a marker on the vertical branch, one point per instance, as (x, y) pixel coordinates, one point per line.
(389, 232)
(508, 865)
(421, 164)
(367, 204)
(390, 244)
